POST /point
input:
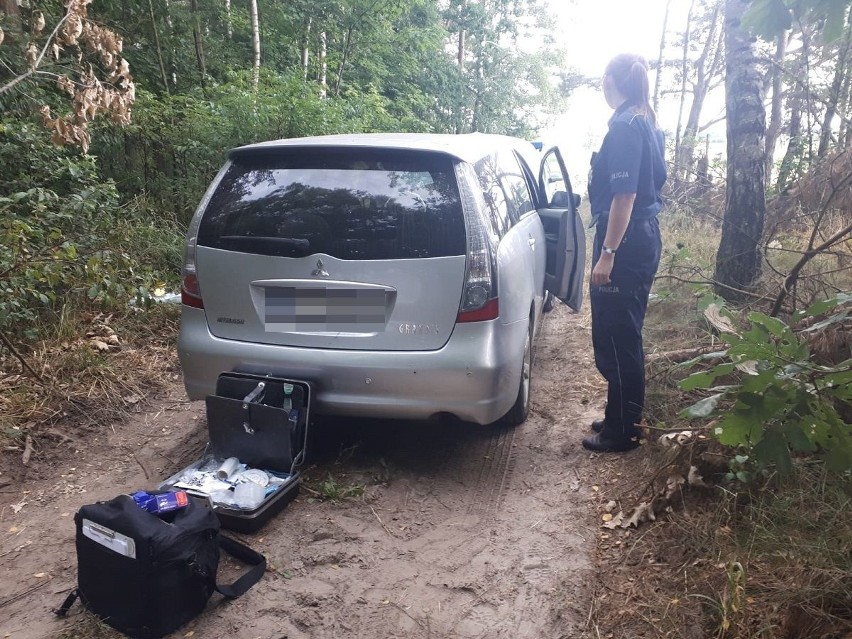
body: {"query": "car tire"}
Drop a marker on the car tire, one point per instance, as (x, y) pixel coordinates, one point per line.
(519, 412)
(548, 302)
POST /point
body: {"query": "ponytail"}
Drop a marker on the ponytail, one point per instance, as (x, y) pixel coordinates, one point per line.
(630, 75)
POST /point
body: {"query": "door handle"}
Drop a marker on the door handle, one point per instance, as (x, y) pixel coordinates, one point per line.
(532, 243)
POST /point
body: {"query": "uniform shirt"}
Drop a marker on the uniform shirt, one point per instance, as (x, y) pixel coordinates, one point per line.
(630, 161)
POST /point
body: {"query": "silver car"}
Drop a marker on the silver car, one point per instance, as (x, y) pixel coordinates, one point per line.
(403, 274)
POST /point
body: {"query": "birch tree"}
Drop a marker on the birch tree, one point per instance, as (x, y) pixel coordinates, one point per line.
(255, 43)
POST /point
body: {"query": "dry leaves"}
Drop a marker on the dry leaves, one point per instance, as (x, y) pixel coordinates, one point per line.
(648, 510)
(112, 96)
(102, 336)
(38, 22)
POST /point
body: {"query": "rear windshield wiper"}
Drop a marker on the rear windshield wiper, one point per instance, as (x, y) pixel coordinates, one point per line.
(290, 242)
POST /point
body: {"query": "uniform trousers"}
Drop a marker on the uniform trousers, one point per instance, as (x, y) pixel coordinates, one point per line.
(618, 314)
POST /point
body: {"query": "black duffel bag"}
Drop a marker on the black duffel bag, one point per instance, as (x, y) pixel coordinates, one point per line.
(146, 575)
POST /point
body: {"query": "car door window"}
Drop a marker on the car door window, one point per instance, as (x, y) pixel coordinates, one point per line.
(497, 204)
(515, 187)
(554, 180)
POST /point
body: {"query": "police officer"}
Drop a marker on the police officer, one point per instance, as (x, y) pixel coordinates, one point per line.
(627, 175)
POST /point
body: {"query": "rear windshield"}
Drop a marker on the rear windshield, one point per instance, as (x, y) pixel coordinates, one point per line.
(353, 204)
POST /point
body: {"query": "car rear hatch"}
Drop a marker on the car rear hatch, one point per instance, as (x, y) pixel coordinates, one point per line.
(330, 247)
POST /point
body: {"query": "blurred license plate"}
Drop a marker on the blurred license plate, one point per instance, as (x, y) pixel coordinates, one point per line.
(325, 309)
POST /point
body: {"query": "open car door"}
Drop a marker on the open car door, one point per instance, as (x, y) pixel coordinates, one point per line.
(563, 230)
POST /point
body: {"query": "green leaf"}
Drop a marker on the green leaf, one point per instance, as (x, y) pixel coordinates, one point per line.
(704, 407)
(831, 319)
(767, 18)
(797, 436)
(834, 12)
(772, 450)
(702, 358)
(818, 308)
(772, 324)
(705, 379)
(738, 429)
(760, 382)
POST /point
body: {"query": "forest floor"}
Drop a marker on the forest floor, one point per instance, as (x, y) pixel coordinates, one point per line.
(451, 530)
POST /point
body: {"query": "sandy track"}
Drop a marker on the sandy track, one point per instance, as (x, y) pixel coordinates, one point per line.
(462, 531)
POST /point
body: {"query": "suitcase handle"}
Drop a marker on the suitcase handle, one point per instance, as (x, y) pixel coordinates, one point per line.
(251, 576)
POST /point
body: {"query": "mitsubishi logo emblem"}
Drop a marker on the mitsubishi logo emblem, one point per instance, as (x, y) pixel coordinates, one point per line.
(320, 271)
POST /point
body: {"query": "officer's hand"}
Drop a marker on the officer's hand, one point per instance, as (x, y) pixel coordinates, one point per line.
(603, 269)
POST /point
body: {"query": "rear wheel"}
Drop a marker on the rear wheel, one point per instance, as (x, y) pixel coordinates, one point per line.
(518, 414)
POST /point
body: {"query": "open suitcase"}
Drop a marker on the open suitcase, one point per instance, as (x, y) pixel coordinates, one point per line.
(262, 421)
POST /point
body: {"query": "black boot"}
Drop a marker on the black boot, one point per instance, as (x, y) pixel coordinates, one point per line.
(605, 443)
(597, 425)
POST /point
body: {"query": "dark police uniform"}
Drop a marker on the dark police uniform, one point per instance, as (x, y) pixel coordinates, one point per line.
(630, 160)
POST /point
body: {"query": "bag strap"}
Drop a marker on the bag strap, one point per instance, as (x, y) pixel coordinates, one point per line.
(69, 601)
(248, 556)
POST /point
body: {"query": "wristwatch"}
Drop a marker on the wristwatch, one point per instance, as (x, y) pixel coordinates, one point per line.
(606, 249)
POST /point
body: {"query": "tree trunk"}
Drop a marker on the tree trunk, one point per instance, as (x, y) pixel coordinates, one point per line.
(774, 128)
(306, 51)
(229, 25)
(738, 258)
(10, 7)
(792, 155)
(843, 136)
(705, 69)
(199, 44)
(323, 64)
(656, 102)
(834, 93)
(171, 28)
(255, 44)
(683, 73)
(462, 32)
(347, 47)
(157, 44)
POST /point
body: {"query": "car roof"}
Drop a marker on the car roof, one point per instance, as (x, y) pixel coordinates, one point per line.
(468, 147)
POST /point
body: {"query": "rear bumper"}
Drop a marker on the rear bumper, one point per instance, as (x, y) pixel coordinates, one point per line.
(474, 376)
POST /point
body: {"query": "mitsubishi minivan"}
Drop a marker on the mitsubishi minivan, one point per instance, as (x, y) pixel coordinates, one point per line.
(404, 275)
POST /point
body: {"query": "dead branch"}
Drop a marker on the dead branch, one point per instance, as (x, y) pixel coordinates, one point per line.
(682, 354)
(837, 187)
(8, 344)
(711, 282)
(28, 450)
(808, 255)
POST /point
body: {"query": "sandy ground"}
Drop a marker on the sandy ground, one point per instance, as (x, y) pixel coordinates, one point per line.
(461, 531)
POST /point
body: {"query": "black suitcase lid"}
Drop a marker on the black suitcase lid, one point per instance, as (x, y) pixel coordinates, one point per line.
(257, 395)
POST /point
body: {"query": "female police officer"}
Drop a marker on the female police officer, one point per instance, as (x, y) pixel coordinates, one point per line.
(627, 175)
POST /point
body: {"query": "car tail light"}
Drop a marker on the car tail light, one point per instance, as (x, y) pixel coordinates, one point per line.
(190, 294)
(190, 291)
(479, 300)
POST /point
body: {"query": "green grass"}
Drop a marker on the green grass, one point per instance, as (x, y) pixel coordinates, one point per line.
(333, 490)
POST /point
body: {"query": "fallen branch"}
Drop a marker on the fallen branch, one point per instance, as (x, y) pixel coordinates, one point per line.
(681, 355)
(8, 344)
(28, 450)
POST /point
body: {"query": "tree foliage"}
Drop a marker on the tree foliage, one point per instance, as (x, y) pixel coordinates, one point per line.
(785, 404)
(104, 227)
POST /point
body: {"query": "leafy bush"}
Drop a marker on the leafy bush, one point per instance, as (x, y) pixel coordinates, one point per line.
(786, 404)
(64, 236)
(175, 144)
